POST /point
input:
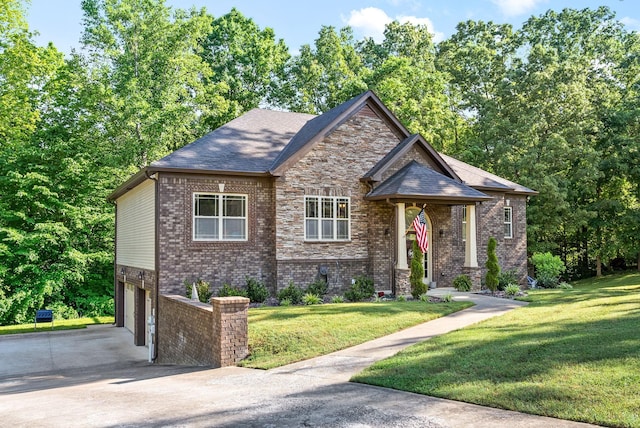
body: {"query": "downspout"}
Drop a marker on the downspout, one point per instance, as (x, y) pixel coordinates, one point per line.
(156, 286)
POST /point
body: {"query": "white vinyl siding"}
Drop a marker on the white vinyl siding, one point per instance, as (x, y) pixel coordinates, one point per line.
(327, 218)
(136, 227)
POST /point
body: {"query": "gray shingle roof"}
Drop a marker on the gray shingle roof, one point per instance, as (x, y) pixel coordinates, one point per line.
(249, 143)
(476, 177)
(420, 182)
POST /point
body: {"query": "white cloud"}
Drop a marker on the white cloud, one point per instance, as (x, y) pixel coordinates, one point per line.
(517, 7)
(371, 21)
(631, 23)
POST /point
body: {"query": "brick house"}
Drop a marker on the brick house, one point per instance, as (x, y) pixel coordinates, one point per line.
(282, 197)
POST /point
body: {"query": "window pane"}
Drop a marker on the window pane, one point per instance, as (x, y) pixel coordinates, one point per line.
(233, 206)
(206, 205)
(507, 230)
(343, 229)
(327, 229)
(343, 208)
(311, 209)
(206, 228)
(327, 208)
(233, 228)
(312, 229)
(507, 215)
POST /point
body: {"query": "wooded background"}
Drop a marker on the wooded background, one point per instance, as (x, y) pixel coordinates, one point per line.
(553, 105)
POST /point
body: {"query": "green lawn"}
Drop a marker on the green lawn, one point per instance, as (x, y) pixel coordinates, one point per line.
(570, 354)
(283, 335)
(57, 325)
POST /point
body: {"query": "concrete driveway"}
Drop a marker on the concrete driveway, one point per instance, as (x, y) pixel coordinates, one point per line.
(97, 378)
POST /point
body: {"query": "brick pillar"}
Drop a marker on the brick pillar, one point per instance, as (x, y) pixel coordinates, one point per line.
(230, 330)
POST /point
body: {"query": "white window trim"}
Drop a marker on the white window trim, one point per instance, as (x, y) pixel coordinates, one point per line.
(335, 219)
(510, 222)
(220, 217)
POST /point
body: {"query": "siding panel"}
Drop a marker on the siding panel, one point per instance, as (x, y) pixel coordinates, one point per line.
(135, 227)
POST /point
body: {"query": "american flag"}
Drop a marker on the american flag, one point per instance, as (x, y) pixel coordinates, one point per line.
(422, 234)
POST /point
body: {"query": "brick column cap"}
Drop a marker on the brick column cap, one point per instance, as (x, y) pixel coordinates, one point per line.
(230, 299)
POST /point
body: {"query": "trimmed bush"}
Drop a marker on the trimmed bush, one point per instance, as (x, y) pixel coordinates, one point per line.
(319, 287)
(507, 277)
(362, 289)
(227, 290)
(256, 291)
(292, 293)
(202, 287)
(416, 279)
(462, 283)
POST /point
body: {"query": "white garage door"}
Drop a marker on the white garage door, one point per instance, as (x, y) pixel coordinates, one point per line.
(129, 306)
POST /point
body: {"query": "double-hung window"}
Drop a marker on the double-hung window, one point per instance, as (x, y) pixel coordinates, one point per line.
(326, 218)
(508, 222)
(219, 217)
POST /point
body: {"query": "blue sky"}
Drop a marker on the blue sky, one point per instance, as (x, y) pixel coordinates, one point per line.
(298, 21)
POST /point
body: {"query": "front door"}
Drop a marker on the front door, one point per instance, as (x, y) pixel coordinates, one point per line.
(409, 215)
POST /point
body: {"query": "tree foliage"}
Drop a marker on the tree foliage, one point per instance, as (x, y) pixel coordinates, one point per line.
(553, 105)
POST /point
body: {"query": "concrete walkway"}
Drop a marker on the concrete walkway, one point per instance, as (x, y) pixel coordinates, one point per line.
(312, 393)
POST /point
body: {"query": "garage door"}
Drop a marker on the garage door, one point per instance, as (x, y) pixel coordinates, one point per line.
(129, 307)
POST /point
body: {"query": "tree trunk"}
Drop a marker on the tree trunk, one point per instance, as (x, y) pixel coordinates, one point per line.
(598, 266)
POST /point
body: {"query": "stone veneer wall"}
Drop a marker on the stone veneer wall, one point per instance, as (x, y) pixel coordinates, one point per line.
(333, 168)
(181, 258)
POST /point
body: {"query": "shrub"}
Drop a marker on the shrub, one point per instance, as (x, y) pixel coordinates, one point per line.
(493, 268)
(507, 277)
(462, 283)
(95, 306)
(416, 279)
(401, 298)
(361, 289)
(228, 290)
(256, 291)
(425, 298)
(202, 287)
(548, 269)
(512, 289)
(319, 287)
(285, 302)
(337, 299)
(63, 312)
(292, 292)
(311, 299)
(565, 286)
(447, 298)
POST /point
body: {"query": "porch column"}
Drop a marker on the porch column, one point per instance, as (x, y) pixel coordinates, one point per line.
(470, 249)
(401, 246)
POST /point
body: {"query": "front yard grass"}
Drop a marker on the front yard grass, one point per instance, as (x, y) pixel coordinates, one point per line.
(57, 325)
(569, 354)
(284, 335)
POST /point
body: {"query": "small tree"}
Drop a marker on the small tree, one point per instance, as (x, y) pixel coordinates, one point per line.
(418, 287)
(493, 268)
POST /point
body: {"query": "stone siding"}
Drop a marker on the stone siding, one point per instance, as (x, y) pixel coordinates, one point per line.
(333, 168)
(181, 258)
